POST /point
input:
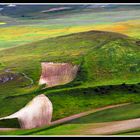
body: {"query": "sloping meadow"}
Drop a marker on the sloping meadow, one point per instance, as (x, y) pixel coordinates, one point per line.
(104, 59)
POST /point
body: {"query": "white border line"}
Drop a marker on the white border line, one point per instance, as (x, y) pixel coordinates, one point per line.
(71, 3)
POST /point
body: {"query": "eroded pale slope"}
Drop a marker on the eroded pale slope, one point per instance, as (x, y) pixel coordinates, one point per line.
(36, 113)
(57, 73)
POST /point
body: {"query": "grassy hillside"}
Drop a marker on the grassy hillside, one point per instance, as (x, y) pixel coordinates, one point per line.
(103, 55)
(105, 59)
(103, 41)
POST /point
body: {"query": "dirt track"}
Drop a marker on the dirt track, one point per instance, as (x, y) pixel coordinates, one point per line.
(63, 120)
(111, 127)
(85, 113)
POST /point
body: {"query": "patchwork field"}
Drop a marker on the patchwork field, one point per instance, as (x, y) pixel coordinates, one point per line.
(13, 36)
(19, 31)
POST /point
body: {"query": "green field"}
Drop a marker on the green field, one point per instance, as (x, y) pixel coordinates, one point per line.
(85, 49)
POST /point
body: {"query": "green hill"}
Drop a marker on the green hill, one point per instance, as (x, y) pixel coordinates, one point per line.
(109, 69)
(105, 57)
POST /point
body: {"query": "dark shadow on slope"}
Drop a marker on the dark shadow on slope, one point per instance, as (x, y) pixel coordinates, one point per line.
(9, 123)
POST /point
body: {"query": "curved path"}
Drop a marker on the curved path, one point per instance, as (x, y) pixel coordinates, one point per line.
(67, 119)
(30, 79)
(24, 75)
(85, 114)
(110, 128)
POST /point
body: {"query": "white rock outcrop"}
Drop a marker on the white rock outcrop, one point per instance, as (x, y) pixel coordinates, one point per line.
(57, 73)
(37, 113)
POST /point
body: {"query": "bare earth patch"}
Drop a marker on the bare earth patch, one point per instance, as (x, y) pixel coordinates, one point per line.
(57, 73)
(37, 113)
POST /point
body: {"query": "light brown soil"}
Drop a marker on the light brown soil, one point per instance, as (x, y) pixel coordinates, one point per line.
(111, 127)
(57, 73)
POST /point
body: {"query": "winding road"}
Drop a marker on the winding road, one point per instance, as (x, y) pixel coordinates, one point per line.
(63, 120)
(110, 128)
(67, 119)
(104, 128)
